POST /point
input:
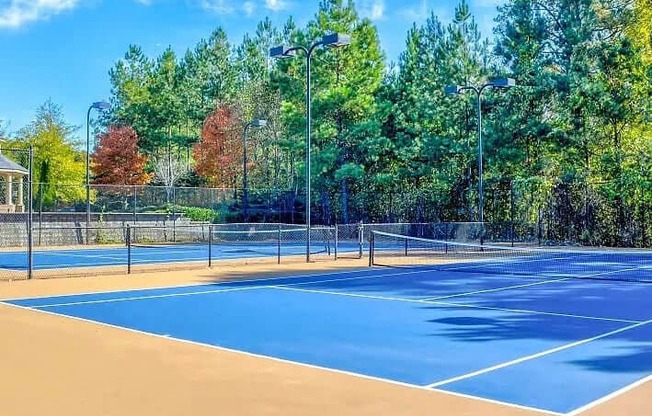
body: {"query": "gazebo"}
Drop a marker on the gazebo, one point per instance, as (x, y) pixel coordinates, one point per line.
(11, 173)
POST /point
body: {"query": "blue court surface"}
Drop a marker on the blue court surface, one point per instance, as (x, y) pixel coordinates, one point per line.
(181, 253)
(553, 345)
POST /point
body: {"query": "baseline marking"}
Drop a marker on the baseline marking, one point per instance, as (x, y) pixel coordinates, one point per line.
(127, 299)
(201, 292)
(537, 355)
(224, 282)
(372, 275)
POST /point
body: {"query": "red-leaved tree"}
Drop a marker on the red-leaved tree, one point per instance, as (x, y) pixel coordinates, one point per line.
(218, 156)
(117, 160)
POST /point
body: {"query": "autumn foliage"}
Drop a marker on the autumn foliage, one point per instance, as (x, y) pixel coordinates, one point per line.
(117, 161)
(218, 156)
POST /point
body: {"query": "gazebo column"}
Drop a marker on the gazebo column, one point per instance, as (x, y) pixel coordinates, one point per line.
(20, 204)
(8, 179)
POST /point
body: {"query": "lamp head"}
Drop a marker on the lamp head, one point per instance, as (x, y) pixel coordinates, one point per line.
(452, 89)
(503, 82)
(281, 51)
(101, 105)
(336, 40)
(259, 122)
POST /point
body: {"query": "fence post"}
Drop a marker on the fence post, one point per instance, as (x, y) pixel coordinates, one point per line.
(360, 239)
(135, 205)
(210, 245)
(336, 240)
(511, 211)
(174, 214)
(128, 249)
(278, 245)
(371, 249)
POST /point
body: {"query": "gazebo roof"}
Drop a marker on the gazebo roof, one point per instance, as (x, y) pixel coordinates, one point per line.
(9, 166)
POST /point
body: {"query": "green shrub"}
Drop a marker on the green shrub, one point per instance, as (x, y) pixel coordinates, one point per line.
(199, 214)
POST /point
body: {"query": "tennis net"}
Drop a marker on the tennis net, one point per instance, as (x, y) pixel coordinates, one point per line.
(388, 249)
(282, 240)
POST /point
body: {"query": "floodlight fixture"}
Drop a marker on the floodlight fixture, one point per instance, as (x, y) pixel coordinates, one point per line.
(259, 122)
(336, 40)
(282, 51)
(503, 83)
(101, 105)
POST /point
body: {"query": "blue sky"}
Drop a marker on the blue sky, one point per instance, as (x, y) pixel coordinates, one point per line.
(63, 49)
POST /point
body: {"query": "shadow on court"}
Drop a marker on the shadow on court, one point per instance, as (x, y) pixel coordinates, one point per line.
(624, 360)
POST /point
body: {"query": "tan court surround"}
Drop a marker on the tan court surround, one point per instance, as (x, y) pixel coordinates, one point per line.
(53, 365)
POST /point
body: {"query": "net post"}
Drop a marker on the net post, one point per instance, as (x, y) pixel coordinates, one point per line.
(174, 214)
(278, 244)
(406, 247)
(210, 245)
(128, 249)
(30, 215)
(371, 249)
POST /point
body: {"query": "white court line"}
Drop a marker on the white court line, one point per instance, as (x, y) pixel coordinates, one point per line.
(590, 276)
(528, 311)
(501, 262)
(85, 256)
(282, 360)
(13, 270)
(537, 355)
(223, 282)
(127, 299)
(449, 304)
(201, 292)
(497, 289)
(610, 396)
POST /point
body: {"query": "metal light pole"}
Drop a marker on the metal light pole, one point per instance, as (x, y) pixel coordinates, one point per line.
(457, 89)
(245, 196)
(333, 40)
(100, 106)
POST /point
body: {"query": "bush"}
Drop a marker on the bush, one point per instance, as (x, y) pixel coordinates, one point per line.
(199, 214)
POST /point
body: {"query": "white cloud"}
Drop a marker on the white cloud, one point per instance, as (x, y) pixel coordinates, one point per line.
(219, 6)
(144, 2)
(487, 3)
(372, 9)
(416, 13)
(15, 13)
(276, 5)
(249, 7)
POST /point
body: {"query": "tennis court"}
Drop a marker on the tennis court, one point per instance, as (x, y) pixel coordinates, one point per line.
(112, 256)
(552, 343)
(186, 247)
